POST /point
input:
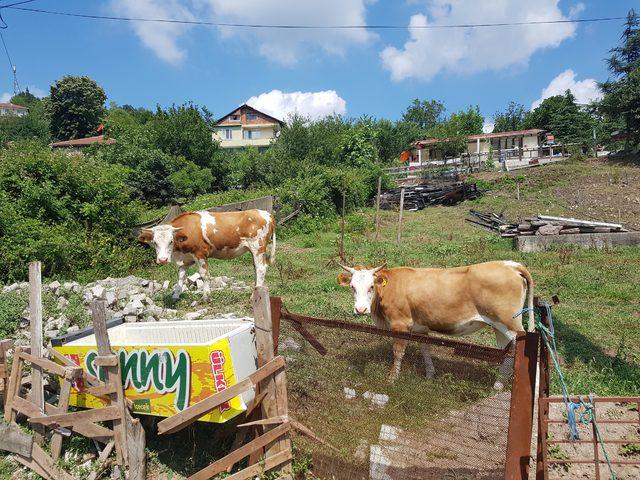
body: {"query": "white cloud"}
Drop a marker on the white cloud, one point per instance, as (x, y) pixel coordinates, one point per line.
(161, 38)
(35, 91)
(577, 9)
(468, 50)
(585, 90)
(285, 46)
(308, 104)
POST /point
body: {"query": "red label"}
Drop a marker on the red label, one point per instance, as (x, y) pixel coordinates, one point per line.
(217, 368)
(78, 383)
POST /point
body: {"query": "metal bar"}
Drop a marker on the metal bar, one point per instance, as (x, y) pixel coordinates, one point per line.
(601, 422)
(471, 350)
(591, 461)
(607, 440)
(594, 439)
(543, 407)
(521, 408)
(634, 399)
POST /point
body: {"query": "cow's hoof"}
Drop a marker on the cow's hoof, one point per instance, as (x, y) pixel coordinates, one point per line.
(430, 374)
(498, 386)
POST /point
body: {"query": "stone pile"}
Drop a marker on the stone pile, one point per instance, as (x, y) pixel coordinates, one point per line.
(132, 299)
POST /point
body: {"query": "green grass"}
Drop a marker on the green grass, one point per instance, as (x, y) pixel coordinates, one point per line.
(597, 321)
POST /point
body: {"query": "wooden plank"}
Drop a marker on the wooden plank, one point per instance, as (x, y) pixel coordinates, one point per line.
(275, 402)
(598, 241)
(489, 354)
(41, 462)
(69, 419)
(51, 367)
(237, 455)
(307, 432)
(308, 336)
(266, 421)
(576, 221)
(14, 440)
(101, 390)
(86, 376)
(99, 320)
(14, 386)
(400, 216)
(136, 443)
(63, 406)
(106, 361)
(102, 459)
(257, 470)
(35, 328)
(276, 308)
(253, 404)
(191, 414)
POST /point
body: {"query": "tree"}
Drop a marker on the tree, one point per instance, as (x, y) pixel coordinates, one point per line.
(542, 115)
(621, 93)
(32, 126)
(509, 120)
(76, 107)
(426, 113)
(571, 124)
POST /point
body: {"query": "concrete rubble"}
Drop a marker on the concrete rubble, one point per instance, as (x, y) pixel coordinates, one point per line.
(132, 299)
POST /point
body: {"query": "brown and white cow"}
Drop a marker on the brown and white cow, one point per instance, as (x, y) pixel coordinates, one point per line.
(195, 236)
(453, 301)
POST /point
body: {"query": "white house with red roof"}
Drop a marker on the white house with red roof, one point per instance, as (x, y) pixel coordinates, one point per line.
(11, 109)
(246, 127)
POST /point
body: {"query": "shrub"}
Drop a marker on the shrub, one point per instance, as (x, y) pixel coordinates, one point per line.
(11, 306)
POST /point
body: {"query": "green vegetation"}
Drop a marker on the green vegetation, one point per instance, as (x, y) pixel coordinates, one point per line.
(76, 106)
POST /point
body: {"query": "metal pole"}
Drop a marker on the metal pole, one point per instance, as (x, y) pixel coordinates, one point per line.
(378, 207)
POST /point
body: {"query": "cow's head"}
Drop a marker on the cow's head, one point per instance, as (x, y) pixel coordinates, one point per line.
(161, 237)
(362, 282)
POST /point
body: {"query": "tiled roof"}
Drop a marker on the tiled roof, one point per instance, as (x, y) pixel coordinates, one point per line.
(83, 142)
(484, 136)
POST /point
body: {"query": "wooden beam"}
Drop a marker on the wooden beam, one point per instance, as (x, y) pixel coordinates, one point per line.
(86, 376)
(191, 414)
(69, 419)
(106, 361)
(14, 386)
(99, 320)
(259, 469)
(102, 460)
(237, 455)
(63, 406)
(43, 464)
(306, 431)
(266, 421)
(35, 328)
(14, 440)
(52, 367)
(308, 336)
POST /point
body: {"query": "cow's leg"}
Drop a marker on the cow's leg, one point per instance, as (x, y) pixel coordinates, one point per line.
(203, 269)
(260, 266)
(503, 338)
(428, 361)
(399, 348)
(182, 275)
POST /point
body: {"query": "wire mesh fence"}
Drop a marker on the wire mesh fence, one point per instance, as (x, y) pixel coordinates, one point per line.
(451, 426)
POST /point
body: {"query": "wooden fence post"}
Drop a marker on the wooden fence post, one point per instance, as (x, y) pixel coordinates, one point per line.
(275, 402)
(400, 215)
(344, 205)
(522, 407)
(543, 392)
(35, 328)
(129, 436)
(378, 207)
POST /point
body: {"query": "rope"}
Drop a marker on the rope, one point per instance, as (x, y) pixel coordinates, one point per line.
(587, 416)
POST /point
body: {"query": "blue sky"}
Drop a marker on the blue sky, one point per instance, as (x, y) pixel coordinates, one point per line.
(353, 72)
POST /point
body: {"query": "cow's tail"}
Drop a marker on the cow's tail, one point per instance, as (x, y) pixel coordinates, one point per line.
(527, 276)
(272, 252)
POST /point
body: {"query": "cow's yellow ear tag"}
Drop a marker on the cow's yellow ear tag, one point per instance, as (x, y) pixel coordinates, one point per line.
(384, 282)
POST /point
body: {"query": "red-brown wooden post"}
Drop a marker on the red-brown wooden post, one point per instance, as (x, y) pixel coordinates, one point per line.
(521, 409)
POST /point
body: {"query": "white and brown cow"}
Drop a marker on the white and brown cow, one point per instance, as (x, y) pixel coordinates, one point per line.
(195, 236)
(453, 301)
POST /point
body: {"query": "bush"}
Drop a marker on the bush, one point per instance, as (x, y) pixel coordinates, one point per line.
(191, 180)
(68, 211)
(11, 306)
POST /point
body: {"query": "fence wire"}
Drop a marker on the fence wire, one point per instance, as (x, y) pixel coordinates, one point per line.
(453, 426)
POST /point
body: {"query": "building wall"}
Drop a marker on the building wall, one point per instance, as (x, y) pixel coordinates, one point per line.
(267, 135)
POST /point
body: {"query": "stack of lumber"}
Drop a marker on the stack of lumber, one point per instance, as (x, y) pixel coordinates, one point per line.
(417, 197)
(541, 225)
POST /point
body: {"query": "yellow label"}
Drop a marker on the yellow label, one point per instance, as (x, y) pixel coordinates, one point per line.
(163, 381)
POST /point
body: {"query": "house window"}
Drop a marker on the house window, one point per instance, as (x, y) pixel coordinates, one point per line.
(252, 116)
(228, 134)
(251, 134)
(234, 118)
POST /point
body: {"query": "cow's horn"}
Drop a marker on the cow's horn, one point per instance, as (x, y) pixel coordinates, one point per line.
(377, 269)
(175, 229)
(348, 269)
(147, 230)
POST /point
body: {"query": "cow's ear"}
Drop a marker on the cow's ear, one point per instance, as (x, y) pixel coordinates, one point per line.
(145, 236)
(380, 281)
(181, 237)
(344, 280)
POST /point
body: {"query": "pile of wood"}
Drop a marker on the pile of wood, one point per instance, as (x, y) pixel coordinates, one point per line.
(417, 197)
(541, 225)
